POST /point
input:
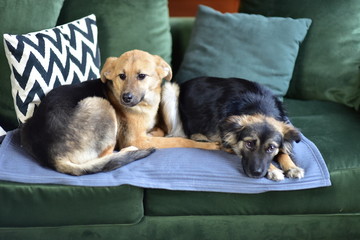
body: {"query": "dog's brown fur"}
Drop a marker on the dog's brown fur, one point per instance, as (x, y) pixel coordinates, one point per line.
(136, 120)
(76, 127)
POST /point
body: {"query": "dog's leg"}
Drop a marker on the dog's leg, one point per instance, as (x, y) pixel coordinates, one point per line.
(199, 137)
(157, 132)
(275, 174)
(173, 142)
(228, 150)
(289, 167)
(107, 151)
(128, 149)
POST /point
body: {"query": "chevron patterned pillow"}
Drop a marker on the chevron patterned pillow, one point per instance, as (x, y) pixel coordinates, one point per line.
(41, 61)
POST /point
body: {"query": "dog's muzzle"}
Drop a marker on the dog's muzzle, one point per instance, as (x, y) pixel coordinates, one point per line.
(256, 173)
(255, 169)
(129, 100)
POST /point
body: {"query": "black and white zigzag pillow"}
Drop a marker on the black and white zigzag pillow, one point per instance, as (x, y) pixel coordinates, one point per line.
(41, 61)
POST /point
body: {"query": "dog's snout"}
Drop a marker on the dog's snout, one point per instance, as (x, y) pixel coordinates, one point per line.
(257, 172)
(127, 97)
(255, 168)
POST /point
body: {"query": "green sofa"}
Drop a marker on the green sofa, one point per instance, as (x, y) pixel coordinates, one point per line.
(315, 103)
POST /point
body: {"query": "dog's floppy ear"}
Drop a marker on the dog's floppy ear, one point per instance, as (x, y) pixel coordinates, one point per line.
(107, 72)
(291, 134)
(163, 69)
(230, 128)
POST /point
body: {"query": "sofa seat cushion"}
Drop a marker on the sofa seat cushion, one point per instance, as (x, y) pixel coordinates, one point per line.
(333, 127)
(340, 226)
(35, 205)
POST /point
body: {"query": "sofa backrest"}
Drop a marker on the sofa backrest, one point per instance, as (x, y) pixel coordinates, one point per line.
(328, 63)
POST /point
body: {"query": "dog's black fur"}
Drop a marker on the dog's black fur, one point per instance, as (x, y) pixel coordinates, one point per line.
(204, 102)
(207, 106)
(54, 130)
(46, 126)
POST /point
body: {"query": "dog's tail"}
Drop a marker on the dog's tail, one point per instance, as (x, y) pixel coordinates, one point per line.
(170, 109)
(103, 164)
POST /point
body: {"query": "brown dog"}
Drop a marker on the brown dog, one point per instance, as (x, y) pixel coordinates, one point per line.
(134, 89)
(77, 127)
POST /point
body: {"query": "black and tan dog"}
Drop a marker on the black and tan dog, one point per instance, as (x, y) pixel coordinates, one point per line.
(77, 127)
(244, 116)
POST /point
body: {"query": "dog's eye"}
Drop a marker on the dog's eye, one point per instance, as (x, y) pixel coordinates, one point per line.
(270, 149)
(141, 76)
(250, 145)
(122, 76)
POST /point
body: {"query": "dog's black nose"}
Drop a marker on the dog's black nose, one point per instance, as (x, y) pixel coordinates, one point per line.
(257, 173)
(127, 97)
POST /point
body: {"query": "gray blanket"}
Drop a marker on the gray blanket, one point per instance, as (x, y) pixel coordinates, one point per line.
(173, 169)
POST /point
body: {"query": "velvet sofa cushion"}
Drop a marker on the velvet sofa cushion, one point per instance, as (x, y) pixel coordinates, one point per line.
(335, 130)
(125, 25)
(18, 17)
(317, 226)
(253, 47)
(35, 205)
(327, 67)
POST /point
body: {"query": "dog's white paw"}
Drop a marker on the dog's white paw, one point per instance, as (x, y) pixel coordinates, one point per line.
(127, 149)
(295, 172)
(275, 175)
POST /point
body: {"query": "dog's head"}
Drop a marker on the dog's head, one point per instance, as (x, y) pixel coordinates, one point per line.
(257, 139)
(135, 77)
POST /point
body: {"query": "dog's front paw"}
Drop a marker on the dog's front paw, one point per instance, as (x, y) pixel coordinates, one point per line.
(275, 175)
(128, 149)
(212, 145)
(295, 172)
(228, 150)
